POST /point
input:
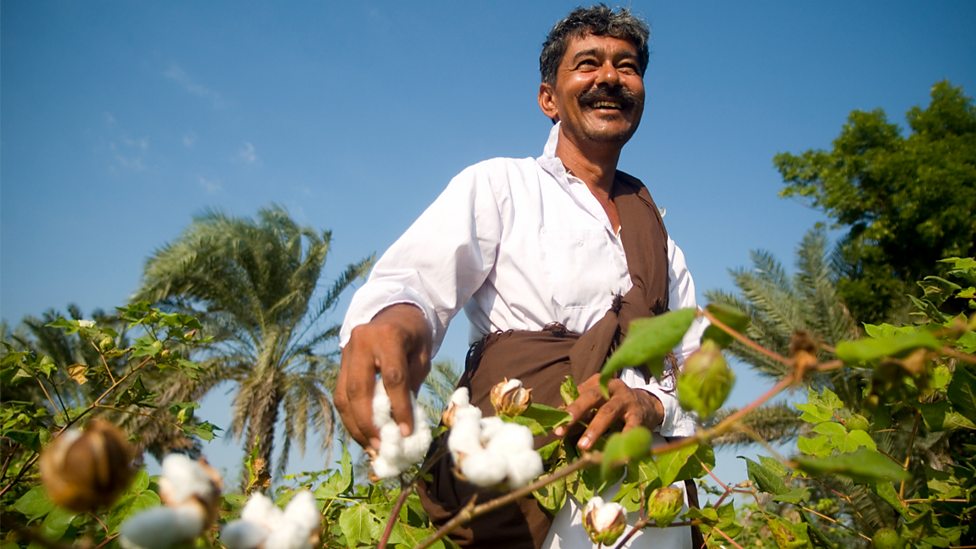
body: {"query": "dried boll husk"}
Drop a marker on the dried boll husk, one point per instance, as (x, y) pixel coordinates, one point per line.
(85, 470)
(510, 398)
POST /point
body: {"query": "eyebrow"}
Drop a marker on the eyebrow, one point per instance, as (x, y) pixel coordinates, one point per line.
(596, 52)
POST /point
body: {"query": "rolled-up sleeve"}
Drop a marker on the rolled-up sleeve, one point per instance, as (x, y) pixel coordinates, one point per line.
(439, 262)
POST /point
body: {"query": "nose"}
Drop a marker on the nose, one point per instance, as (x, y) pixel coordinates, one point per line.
(608, 75)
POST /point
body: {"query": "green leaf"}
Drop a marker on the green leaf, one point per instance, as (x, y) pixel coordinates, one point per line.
(568, 390)
(56, 523)
(962, 392)
(552, 496)
(863, 465)
(819, 407)
(624, 447)
(815, 446)
(540, 418)
(358, 525)
(648, 341)
(728, 315)
(679, 464)
(764, 478)
(866, 350)
(34, 504)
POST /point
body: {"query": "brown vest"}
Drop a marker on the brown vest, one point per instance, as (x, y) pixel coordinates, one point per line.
(541, 360)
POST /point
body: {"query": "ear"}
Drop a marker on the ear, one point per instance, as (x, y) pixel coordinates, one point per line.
(547, 101)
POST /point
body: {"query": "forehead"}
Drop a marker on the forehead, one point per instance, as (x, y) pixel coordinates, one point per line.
(600, 45)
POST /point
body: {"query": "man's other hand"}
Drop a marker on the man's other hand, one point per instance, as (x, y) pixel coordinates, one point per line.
(396, 344)
(630, 406)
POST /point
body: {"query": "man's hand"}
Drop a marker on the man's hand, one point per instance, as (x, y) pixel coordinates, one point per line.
(396, 343)
(631, 406)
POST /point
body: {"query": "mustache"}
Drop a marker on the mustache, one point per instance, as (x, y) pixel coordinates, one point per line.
(621, 95)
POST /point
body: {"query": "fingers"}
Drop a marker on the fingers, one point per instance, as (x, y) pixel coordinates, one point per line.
(393, 368)
(624, 405)
(590, 398)
(354, 394)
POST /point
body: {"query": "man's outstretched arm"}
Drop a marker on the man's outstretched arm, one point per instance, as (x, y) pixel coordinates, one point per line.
(396, 343)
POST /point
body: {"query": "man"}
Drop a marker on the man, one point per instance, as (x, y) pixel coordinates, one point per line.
(538, 252)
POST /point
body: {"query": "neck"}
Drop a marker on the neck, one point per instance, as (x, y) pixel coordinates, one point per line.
(595, 165)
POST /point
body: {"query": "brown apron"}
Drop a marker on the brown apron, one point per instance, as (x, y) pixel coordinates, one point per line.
(541, 360)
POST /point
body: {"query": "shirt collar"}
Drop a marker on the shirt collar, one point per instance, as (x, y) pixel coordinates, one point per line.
(549, 161)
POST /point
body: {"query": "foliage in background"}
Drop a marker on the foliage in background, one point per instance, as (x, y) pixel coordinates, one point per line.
(254, 285)
(905, 202)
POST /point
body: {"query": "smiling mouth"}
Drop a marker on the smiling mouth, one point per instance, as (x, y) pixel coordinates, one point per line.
(606, 105)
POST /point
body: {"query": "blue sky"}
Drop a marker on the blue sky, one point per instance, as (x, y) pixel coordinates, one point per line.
(121, 120)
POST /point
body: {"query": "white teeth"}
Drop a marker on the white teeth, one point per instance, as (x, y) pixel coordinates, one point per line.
(606, 105)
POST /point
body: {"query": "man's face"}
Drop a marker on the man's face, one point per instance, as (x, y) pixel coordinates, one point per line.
(599, 91)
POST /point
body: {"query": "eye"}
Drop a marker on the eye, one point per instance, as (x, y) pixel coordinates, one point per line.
(587, 64)
(628, 67)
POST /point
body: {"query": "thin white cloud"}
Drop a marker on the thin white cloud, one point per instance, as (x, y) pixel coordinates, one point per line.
(127, 153)
(191, 86)
(211, 185)
(247, 153)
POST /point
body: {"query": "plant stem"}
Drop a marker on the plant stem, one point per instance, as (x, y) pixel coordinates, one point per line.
(471, 510)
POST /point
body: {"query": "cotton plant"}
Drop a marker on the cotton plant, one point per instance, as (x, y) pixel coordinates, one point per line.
(190, 491)
(265, 526)
(487, 451)
(397, 453)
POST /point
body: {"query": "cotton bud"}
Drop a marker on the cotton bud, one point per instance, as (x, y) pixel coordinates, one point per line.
(705, 380)
(510, 398)
(664, 505)
(459, 399)
(604, 522)
(84, 470)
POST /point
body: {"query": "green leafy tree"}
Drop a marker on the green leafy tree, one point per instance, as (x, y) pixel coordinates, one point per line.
(254, 284)
(906, 202)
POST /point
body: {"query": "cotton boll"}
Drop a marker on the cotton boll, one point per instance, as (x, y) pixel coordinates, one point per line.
(510, 438)
(183, 478)
(381, 406)
(465, 436)
(484, 468)
(261, 510)
(391, 442)
(523, 468)
(415, 446)
(288, 536)
(162, 527)
(490, 427)
(303, 511)
(385, 468)
(243, 534)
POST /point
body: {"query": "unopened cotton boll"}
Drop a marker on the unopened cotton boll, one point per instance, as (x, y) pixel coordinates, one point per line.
(243, 534)
(484, 468)
(162, 527)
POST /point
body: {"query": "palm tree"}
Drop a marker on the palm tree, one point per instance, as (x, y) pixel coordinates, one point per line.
(253, 283)
(780, 306)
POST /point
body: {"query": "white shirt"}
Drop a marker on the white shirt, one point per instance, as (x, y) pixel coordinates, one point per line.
(521, 243)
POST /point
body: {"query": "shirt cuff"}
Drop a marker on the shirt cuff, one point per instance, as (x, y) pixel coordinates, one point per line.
(676, 421)
(366, 305)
